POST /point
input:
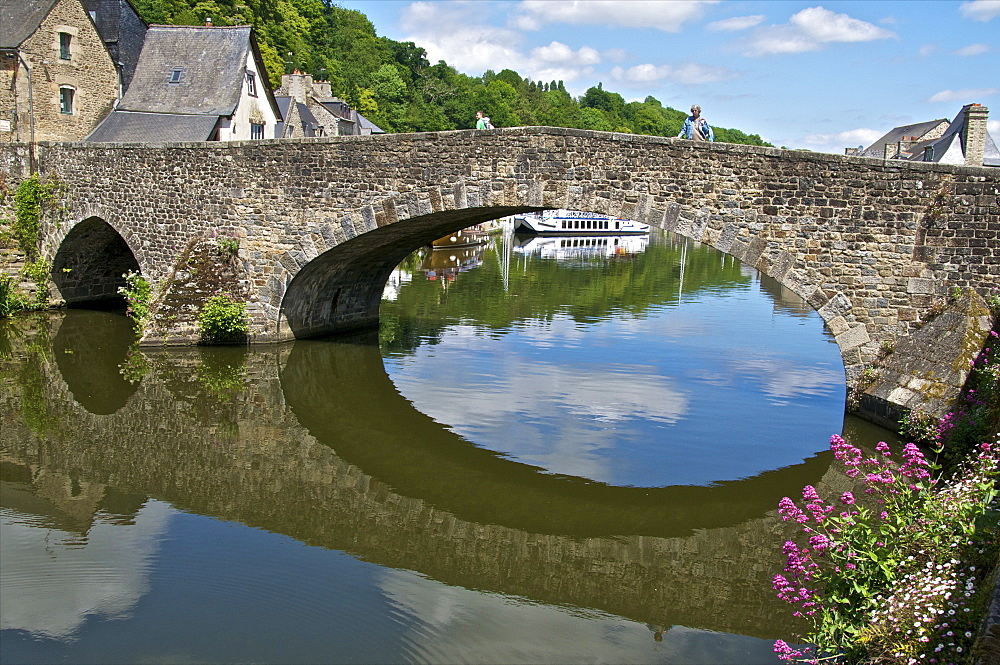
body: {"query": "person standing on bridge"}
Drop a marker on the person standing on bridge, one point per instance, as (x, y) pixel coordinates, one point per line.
(483, 121)
(696, 127)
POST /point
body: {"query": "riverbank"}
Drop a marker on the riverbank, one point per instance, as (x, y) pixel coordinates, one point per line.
(904, 570)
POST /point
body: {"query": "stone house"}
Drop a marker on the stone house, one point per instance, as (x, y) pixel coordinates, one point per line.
(963, 141)
(123, 31)
(195, 83)
(888, 146)
(298, 121)
(334, 116)
(57, 78)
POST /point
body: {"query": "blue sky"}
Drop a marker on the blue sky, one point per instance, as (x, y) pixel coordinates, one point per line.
(817, 75)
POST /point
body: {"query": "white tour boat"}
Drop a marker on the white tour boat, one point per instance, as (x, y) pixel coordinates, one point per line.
(566, 222)
(581, 247)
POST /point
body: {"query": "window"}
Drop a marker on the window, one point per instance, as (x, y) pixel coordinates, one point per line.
(64, 41)
(176, 75)
(256, 130)
(252, 84)
(66, 100)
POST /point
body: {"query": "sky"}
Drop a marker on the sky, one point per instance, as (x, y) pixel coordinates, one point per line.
(817, 75)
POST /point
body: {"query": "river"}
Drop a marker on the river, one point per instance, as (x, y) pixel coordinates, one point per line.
(547, 453)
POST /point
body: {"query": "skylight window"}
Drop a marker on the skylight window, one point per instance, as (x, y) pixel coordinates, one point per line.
(176, 75)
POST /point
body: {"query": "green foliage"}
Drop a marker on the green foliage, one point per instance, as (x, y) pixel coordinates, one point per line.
(223, 320)
(901, 575)
(229, 246)
(394, 85)
(978, 413)
(919, 427)
(137, 293)
(10, 299)
(38, 271)
(224, 377)
(28, 208)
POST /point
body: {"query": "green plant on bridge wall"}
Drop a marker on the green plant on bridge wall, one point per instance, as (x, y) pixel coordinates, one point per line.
(32, 199)
(137, 293)
(11, 300)
(223, 320)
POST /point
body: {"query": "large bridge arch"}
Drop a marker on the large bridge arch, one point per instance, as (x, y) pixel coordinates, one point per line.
(339, 290)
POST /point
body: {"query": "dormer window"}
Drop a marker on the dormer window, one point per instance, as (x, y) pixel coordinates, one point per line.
(251, 84)
(176, 75)
(65, 39)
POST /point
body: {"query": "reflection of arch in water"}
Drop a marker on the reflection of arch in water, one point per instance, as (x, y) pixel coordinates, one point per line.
(343, 396)
(90, 348)
(90, 262)
(276, 476)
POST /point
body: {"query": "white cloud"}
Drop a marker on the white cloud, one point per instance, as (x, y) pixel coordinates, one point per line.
(980, 10)
(965, 95)
(973, 49)
(836, 142)
(453, 32)
(810, 30)
(687, 73)
(557, 52)
(928, 49)
(993, 126)
(736, 23)
(616, 54)
(63, 582)
(665, 16)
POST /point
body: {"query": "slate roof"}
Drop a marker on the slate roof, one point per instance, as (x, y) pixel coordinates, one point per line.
(896, 135)
(132, 127)
(20, 18)
(368, 124)
(213, 61)
(309, 121)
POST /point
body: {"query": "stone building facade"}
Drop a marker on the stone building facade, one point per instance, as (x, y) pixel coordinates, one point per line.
(57, 79)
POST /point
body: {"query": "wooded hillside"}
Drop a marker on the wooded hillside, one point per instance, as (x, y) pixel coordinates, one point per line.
(393, 84)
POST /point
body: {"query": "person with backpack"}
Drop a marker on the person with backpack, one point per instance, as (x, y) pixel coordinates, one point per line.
(696, 127)
(483, 121)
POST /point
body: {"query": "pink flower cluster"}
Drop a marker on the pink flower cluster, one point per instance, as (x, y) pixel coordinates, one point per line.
(879, 473)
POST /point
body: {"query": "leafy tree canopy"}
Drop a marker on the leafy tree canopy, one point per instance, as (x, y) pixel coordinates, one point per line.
(394, 85)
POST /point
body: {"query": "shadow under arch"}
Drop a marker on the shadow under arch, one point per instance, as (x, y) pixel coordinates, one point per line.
(333, 389)
(88, 267)
(90, 347)
(340, 290)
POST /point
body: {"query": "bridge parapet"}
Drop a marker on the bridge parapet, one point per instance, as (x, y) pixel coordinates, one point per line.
(870, 244)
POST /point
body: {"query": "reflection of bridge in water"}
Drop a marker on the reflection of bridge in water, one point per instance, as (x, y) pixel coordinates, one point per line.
(394, 488)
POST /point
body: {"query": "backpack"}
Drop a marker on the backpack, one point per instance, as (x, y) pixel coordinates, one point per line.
(488, 125)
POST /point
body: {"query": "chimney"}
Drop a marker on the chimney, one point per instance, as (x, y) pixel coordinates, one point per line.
(974, 133)
(904, 146)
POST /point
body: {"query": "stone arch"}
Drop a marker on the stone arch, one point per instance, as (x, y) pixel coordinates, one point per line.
(340, 289)
(89, 260)
(333, 283)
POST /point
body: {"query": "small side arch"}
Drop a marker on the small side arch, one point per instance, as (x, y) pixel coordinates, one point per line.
(90, 261)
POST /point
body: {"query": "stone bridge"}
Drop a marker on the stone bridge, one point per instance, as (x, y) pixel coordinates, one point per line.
(322, 222)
